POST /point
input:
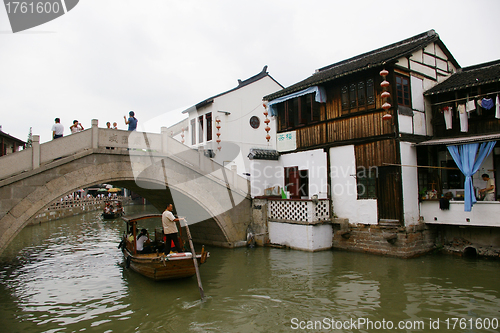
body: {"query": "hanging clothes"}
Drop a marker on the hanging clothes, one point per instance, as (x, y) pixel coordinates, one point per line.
(448, 116)
(479, 103)
(497, 108)
(487, 103)
(470, 106)
(464, 118)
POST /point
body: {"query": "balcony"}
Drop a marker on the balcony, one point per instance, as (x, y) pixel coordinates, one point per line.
(483, 214)
(300, 224)
(307, 212)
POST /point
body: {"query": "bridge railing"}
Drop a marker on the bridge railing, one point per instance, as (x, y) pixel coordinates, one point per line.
(65, 146)
(136, 143)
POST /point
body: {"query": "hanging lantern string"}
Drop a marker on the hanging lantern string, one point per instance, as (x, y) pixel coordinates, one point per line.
(217, 120)
(267, 121)
(385, 94)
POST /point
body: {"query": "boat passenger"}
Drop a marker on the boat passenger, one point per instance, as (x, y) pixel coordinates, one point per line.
(143, 242)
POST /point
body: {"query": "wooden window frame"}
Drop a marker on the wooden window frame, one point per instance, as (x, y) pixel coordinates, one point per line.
(404, 101)
(368, 181)
(298, 112)
(357, 95)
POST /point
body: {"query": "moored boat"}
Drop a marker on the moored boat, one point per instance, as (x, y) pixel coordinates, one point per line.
(155, 264)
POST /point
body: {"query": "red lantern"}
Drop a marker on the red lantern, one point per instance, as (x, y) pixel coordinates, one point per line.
(268, 137)
(386, 106)
(384, 72)
(385, 94)
(387, 116)
(384, 84)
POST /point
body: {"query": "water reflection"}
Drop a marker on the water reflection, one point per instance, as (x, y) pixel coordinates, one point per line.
(68, 276)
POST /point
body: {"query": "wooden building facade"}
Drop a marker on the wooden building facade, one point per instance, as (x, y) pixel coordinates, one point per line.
(345, 118)
(465, 109)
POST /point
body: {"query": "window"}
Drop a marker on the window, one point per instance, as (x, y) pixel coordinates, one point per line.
(366, 180)
(356, 95)
(403, 90)
(200, 129)
(299, 111)
(193, 131)
(254, 122)
(208, 119)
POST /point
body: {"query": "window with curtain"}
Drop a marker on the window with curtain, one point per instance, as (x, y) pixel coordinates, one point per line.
(299, 111)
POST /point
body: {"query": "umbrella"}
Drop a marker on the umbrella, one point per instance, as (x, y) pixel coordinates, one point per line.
(114, 189)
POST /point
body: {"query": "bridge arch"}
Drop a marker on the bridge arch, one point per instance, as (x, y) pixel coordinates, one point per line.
(219, 213)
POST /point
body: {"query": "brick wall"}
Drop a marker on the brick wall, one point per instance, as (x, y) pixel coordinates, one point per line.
(403, 242)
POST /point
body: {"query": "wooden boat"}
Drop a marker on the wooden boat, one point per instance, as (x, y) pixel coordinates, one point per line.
(112, 209)
(157, 265)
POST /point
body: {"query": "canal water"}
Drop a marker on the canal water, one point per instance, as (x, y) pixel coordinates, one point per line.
(69, 276)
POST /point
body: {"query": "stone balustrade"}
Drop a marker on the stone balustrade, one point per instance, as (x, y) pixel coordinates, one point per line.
(143, 148)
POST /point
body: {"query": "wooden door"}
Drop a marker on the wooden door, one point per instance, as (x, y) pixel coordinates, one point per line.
(292, 182)
(389, 193)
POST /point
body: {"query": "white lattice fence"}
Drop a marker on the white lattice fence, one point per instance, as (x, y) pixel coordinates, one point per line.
(322, 210)
(300, 211)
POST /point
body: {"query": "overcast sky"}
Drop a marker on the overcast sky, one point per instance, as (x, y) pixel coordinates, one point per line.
(158, 57)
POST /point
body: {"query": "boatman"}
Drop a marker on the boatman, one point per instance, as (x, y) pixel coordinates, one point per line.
(170, 229)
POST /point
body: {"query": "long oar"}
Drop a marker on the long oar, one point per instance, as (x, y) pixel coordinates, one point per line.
(202, 293)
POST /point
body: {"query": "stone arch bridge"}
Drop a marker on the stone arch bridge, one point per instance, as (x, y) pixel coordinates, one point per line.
(214, 200)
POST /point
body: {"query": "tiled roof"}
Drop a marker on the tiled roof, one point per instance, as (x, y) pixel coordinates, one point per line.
(10, 137)
(469, 77)
(366, 61)
(263, 154)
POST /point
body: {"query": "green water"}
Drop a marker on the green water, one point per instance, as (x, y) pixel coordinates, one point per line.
(69, 276)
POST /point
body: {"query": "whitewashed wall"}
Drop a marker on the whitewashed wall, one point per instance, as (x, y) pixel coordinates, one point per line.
(410, 184)
(343, 188)
(315, 161)
(265, 174)
(483, 213)
(301, 237)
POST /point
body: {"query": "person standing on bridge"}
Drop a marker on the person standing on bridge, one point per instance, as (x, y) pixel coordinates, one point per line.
(76, 127)
(170, 229)
(131, 122)
(57, 129)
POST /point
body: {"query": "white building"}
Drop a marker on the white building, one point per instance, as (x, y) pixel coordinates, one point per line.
(230, 125)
